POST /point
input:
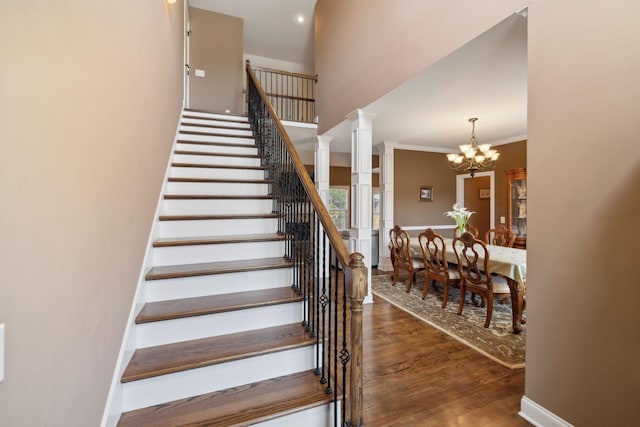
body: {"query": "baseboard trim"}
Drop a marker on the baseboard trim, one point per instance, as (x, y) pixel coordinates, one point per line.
(540, 416)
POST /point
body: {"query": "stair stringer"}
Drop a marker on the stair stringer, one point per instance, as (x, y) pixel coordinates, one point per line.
(114, 404)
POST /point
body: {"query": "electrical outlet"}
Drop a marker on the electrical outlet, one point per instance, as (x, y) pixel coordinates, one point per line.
(502, 220)
(199, 73)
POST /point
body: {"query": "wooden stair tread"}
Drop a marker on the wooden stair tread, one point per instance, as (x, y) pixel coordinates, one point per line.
(228, 135)
(225, 126)
(212, 240)
(207, 153)
(218, 144)
(205, 165)
(242, 405)
(227, 116)
(216, 217)
(181, 356)
(220, 267)
(210, 304)
(216, 197)
(219, 180)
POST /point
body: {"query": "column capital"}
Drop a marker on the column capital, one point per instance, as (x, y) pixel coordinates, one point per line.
(323, 140)
(386, 146)
(360, 114)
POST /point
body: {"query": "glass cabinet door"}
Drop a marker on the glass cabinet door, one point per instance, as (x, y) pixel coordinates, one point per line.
(517, 205)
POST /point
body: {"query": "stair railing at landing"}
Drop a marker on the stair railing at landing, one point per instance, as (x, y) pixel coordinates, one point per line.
(314, 245)
(292, 95)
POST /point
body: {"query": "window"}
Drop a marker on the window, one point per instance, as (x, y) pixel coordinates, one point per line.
(375, 221)
(338, 205)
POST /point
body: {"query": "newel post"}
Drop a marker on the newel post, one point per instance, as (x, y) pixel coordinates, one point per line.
(356, 290)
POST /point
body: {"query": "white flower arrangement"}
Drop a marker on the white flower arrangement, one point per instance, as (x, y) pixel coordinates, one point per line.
(460, 215)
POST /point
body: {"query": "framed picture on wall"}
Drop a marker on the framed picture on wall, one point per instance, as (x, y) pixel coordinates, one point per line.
(484, 193)
(426, 193)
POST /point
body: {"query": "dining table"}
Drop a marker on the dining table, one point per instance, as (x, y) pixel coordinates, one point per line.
(511, 263)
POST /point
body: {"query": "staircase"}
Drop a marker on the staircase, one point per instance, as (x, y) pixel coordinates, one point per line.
(219, 338)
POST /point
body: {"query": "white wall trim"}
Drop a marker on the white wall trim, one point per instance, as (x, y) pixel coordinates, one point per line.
(113, 406)
(540, 416)
(424, 227)
(492, 184)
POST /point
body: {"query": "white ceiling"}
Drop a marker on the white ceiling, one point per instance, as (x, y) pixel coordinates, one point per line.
(486, 78)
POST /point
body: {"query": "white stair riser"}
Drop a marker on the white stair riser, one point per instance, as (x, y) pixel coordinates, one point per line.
(216, 284)
(208, 138)
(217, 206)
(319, 416)
(212, 122)
(216, 173)
(195, 327)
(216, 130)
(216, 160)
(215, 116)
(229, 149)
(220, 188)
(166, 388)
(172, 255)
(217, 227)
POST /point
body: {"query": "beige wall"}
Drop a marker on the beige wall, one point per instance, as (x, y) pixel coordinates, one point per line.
(91, 95)
(361, 52)
(413, 169)
(583, 329)
(215, 47)
(583, 102)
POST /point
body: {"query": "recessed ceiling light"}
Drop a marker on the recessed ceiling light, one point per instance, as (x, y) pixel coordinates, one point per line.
(300, 19)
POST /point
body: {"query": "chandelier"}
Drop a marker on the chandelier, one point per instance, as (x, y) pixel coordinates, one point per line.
(473, 157)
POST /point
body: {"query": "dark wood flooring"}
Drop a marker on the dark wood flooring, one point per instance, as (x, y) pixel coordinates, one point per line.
(416, 375)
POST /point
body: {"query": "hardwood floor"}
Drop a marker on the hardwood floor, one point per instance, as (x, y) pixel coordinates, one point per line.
(416, 375)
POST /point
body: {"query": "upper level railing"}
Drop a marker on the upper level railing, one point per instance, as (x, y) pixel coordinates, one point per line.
(292, 95)
(314, 244)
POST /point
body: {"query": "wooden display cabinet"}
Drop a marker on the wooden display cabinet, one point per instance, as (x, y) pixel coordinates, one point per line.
(517, 205)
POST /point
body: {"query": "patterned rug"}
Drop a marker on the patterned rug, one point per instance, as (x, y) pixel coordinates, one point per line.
(497, 342)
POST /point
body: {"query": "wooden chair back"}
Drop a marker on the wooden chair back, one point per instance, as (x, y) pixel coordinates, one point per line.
(473, 267)
(434, 255)
(500, 236)
(473, 261)
(436, 267)
(401, 254)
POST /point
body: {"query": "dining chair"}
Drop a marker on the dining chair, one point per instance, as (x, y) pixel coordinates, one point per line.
(401, 255)
(470, 228)
(436, 267)
(473, 266)
(500, 236)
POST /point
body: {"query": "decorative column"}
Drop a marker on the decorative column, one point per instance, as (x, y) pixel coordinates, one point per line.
(321, 166)
(361, 202)
(321, 179)
(386, 152)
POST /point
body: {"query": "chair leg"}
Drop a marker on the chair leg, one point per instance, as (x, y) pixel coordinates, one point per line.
(462, 292)
(445, 297)
(487, 322)
(410, 280)
(426, 285)
(395, 276)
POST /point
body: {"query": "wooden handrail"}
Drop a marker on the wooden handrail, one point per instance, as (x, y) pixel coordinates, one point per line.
(288, 73)
(329, 227)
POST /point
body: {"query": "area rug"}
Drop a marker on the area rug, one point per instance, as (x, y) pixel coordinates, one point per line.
(497, 342)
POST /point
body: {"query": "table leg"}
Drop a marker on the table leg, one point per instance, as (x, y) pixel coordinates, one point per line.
(516, 304)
